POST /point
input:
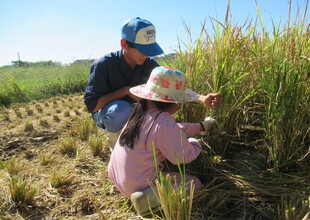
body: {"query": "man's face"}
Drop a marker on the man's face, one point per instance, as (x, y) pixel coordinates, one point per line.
(134, 56)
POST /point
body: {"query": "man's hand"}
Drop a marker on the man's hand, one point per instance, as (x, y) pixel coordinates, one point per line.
(212, 100)
(136, 98)
(117, 94)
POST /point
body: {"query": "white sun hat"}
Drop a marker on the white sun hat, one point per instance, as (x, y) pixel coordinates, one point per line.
(166, 85)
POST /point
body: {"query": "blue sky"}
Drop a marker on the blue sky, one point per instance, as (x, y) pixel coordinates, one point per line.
(66, 30)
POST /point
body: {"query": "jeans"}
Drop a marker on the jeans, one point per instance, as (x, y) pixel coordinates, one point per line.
(113, 116)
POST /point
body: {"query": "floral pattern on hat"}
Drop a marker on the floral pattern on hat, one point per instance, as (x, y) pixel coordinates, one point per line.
(167, 85)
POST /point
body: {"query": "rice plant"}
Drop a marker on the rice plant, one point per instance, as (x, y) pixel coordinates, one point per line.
(258, 73)
(294, 208)
(285, 85)
(77, 112)
(39, 108)
(28, 127)
(44, 123)
(84, 131)
(56, 118)
(97, 144)
(176, 198)
(18, 113)
(67, 113)
(68, 147)
(22, 191)
(29, 111)
(12, 165)
(60, 178)
(5, 116)
(45, 158)
(218, 63)
(83, 128)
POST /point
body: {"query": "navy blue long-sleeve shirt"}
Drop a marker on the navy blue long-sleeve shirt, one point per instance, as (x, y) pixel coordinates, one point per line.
(110, 73)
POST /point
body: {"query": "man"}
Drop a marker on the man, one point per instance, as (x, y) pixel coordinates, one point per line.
(107, 95)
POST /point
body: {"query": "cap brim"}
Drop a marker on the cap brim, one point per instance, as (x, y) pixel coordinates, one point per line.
(143, 92)
(149, 50)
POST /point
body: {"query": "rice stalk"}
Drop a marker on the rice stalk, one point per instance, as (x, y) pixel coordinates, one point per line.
(21, 191)
(68, 147)
(97, 145)
(176, 200)
(286, 97)
(61, 178)
(13, 166)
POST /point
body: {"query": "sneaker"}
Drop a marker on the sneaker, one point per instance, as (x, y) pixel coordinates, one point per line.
(144, 201)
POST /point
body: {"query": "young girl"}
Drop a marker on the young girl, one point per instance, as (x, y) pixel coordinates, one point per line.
(132, 167)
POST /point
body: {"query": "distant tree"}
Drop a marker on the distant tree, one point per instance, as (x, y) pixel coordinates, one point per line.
(19, 63)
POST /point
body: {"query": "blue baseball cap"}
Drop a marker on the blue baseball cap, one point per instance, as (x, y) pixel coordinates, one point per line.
(141, 33)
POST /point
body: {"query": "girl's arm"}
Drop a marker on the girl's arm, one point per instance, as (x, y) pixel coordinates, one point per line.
(190, 129)
(173, 142)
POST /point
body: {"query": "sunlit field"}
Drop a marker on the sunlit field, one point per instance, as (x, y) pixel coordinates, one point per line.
(25, 81)
(254, 165)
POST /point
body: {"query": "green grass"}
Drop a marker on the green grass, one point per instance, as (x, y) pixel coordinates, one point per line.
(22, 84)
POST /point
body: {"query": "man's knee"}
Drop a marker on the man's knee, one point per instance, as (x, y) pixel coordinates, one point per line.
(113, 116)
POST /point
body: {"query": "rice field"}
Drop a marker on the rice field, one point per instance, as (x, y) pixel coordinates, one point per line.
(254, 165)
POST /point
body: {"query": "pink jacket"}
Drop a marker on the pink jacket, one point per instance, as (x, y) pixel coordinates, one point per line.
(132, 169)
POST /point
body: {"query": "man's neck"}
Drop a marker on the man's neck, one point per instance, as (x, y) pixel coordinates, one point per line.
(128, 60)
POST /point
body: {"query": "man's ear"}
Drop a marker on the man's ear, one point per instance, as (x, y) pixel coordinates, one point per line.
(123, 43)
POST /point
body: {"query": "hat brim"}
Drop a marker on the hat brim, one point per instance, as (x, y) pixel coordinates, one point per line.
(143, 92)
(149, 50)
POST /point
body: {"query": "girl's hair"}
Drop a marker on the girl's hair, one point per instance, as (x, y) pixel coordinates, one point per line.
(132, 129)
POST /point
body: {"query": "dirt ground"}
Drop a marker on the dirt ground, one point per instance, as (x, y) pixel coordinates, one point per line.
(31, 134)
